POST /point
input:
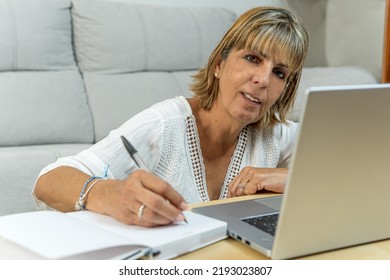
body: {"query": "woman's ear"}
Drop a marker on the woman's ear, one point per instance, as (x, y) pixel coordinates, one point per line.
(217, 69)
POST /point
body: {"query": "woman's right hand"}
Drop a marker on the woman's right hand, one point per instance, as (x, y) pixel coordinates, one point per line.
(124, 200)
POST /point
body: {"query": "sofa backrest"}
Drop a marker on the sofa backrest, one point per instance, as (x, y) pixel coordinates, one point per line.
(72, 70)
(132, 56)
(42, 93)
(236, 6)
(125, 57)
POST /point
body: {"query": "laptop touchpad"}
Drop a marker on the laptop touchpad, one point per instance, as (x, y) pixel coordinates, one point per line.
(272, 202)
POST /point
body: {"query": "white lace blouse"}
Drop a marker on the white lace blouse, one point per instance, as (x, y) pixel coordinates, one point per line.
(166, 137)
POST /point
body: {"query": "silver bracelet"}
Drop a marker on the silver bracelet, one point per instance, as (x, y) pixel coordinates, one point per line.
(80, 204)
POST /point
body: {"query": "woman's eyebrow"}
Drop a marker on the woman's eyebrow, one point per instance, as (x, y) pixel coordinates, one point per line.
(284, 66)
(261, 53)
(267, 56)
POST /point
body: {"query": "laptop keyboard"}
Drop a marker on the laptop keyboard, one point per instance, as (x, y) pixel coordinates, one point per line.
(266, 223)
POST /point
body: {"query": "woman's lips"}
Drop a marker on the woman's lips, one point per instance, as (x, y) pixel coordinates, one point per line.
(251, 98)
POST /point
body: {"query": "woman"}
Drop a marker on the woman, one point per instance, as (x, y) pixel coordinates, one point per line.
(232, 138)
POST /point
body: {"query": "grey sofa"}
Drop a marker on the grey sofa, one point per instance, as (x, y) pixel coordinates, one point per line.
(70, 71)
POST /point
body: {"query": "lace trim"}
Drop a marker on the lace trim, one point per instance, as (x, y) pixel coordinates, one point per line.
(196, 157)
(235, 163)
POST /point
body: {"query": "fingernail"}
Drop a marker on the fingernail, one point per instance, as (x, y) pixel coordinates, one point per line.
(183, 206)
(180, 218)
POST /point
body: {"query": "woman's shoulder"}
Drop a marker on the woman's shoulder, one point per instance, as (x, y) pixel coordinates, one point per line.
(277, 130)
(288, 128)
(285, 132)
(281, 133)
(173, 107)
(156, 117)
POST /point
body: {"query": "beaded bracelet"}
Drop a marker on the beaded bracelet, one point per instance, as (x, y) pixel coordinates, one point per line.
(80, 206)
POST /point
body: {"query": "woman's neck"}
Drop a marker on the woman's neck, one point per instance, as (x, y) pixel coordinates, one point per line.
(216, 133)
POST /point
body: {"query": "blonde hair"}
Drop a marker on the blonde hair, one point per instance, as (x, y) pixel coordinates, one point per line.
(275, 31)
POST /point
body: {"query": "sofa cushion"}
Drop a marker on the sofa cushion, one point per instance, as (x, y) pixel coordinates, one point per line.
(133, 56)
(328, 76)
(116, 98)
(35, 35)
(238, 7)
(43, 107)
(19, 169)
(118, 37)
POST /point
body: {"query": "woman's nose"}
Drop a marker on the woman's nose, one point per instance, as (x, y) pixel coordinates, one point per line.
(262, 75)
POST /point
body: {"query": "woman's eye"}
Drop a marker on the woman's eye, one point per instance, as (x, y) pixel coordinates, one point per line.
(281, 74)
(252, 58)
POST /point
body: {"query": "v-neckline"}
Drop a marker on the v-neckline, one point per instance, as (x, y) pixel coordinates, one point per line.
(198, 167)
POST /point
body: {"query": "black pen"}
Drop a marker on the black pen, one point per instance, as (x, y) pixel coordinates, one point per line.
(137, 159)
(133, 153)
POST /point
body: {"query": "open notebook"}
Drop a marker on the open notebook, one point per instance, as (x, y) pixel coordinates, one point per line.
(88, 235)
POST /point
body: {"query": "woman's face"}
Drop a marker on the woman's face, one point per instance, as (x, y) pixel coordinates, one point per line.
(249, 84)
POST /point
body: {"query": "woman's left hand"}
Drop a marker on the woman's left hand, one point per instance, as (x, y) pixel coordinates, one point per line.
(250, 180)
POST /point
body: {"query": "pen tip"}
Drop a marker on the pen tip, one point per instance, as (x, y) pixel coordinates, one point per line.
(128, 145)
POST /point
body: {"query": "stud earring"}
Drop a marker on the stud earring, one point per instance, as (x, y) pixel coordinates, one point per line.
(216, 75)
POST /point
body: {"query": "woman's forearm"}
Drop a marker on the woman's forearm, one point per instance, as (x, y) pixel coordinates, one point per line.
(60, 188)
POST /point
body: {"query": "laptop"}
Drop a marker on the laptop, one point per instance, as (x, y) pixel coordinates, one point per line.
(338, 188)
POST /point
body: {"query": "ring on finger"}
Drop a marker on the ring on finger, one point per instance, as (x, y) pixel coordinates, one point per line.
(241, 186)
(141, 210)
